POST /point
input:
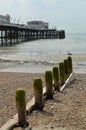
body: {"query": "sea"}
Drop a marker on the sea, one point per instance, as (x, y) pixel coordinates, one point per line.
(40, 55)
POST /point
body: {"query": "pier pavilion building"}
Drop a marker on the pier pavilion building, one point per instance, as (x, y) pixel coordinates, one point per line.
(5, 19)
(38, 25)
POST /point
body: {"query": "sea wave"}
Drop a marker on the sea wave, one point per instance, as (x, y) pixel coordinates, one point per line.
(35, 62)
(81, 63)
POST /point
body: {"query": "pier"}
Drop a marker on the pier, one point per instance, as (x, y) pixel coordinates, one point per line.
(11, 34)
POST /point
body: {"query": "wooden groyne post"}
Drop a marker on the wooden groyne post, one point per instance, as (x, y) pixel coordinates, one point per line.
(38, 91)
(49, 84)
(21, 107)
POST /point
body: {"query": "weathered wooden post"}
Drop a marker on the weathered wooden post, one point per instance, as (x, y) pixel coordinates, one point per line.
(70, 65)
(61, 34)
(38, 90)
(21, 107)
(66, 67)
(49, 84)
(56, 78)
(62, 73)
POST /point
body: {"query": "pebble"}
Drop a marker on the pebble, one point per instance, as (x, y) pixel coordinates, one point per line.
(18, 128)
(51, 107)
(59, 125)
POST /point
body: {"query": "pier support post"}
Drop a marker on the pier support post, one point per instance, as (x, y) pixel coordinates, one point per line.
(6, 37)
(1, 37)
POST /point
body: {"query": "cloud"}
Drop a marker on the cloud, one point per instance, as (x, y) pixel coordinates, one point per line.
(62, 13)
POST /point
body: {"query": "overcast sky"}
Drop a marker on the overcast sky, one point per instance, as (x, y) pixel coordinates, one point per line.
(69, 15)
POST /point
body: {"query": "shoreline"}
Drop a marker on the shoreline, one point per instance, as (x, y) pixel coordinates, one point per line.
(30, 64)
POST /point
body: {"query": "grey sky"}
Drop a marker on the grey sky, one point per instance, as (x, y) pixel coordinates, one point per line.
(69, 15)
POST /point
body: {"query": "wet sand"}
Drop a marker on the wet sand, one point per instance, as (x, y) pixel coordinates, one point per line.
(39, 64)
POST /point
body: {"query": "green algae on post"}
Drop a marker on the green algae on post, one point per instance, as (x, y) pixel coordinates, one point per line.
(66, 66)
(56, 78)
(70, 65)
(49, 84)
(21, 107)
(62, 73)
(38, 91)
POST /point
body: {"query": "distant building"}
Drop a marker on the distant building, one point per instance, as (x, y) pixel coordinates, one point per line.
(37, 25)
(5, 19)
